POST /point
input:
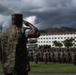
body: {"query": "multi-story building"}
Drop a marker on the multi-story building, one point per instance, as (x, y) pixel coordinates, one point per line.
(32, 43)
(48, 38)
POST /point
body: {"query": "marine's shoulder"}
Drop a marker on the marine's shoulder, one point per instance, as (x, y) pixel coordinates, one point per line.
(6, 32)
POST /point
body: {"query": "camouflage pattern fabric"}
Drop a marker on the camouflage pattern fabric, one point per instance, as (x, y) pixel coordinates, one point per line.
(9, 42)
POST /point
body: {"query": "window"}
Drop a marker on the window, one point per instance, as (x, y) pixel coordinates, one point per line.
(68, 37)
(41, 38)
(64, 37)
(55, 37)
(41, 41)
(52, 38)
(61, 37)
(74, 37)
(49, 41)
(58, 37)
(49, 38)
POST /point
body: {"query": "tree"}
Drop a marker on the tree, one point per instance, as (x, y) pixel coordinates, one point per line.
(58, 44)
(40, 47)
(46, 46)
(68, 42)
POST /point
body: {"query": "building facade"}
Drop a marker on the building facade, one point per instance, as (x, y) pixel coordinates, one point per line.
(48, 38)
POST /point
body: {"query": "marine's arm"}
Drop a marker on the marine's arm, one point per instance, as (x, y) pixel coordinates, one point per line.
(33, 33)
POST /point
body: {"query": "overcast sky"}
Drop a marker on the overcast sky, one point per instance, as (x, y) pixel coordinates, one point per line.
(42, 13)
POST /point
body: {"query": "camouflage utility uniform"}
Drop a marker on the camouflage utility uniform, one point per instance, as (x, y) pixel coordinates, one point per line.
(13, 46)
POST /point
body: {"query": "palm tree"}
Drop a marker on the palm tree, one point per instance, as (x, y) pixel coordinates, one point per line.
(58, 44)
(68, 42)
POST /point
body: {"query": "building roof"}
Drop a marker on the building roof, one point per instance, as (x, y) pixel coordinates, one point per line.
(52, 33)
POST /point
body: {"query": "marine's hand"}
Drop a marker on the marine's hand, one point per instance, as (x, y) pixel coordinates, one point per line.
(26, 23)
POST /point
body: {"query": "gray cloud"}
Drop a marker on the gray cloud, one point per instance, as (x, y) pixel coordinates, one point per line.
(4, 10)
(49, 13)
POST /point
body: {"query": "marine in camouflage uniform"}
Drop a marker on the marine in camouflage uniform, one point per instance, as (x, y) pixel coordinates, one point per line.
(14, 55)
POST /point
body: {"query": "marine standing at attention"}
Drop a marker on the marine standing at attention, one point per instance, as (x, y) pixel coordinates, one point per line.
(14, 55)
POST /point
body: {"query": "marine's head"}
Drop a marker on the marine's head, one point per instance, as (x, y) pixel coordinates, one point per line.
(17, 19)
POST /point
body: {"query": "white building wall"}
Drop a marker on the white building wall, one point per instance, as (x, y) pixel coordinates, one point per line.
(47, 39)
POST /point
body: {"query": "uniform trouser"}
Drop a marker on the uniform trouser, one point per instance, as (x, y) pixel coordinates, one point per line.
(8, 74)
(21, 60)
(26, 73)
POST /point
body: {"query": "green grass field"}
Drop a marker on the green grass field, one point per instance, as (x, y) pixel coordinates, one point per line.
(1, 68)
(52, 68)
(41, 67)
